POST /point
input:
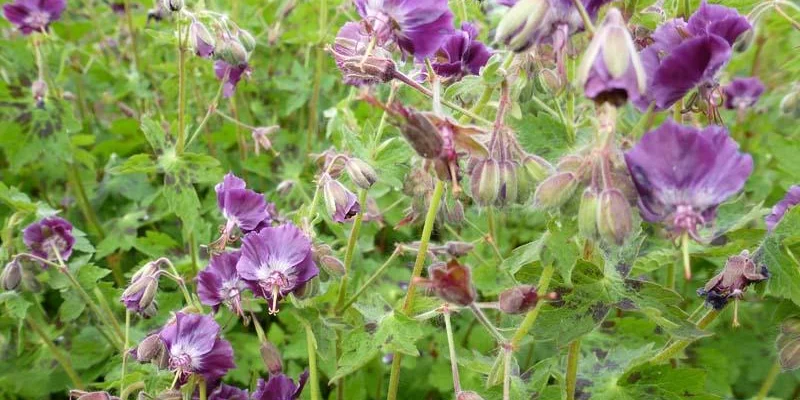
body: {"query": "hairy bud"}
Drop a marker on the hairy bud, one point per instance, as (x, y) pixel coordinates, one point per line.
(508, 189)
(202, 40)
(614, 218)
(361, 173)
(342, 204)
(172, 5)
(587, 214)
(537, 167)
(485, 182)
(458, 249)
(271, 357)
(520, 22)
(518, 300)
(554, 191)
(11, 276)
(247, 40)
(150, 349)
(232, 51)
(332, 265)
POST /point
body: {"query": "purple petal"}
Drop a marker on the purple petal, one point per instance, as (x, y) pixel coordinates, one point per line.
(743, 92)
(791, 199)
(712, 19)
(191, 331)
(244, 206)
(217, 361)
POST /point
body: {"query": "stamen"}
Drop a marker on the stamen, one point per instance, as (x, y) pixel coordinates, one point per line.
(687, 267)
(274, 308)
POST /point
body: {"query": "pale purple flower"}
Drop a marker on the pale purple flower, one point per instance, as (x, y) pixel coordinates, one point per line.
(687, 55)
(743, 93)
(461, 54)
(232, 74)
(280, 387)
(682, 174)
(33, 15)
(49, 236)
(194, 347)
(242, 208)
(418, 27)
(219, 283)
(791, 199)
(276, 261)
(202, 41)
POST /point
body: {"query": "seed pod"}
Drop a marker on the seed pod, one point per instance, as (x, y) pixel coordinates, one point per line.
(361, 173)
(11, 276)
(554, 191)
(614, 219)
(518, 300)
(587, 214)
(485, 182)
(332, 265)
(508, 190)
(271, 357)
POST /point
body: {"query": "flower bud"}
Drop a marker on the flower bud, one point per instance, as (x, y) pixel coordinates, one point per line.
(458, 249)
(452, 282)
(485, 182)
(84, 395)
(261, 135)
(150, 348)
(247, 40)
(587, 214)
(332, 265)
(272, 358)
(140, 294)
(342, 204)
(508, 190)
(202, 40)
(550, 81)
(790, 104)
(468, 395)
(518, 300)
(537, 167)
(232, 52)
(285, 187)
(169, 394)
(791, 326)
(11, 276)
(518, 26)
(554, 191)
(614, 219)
(361, 173)
(172, 5)
(789, 351)
(569, 163)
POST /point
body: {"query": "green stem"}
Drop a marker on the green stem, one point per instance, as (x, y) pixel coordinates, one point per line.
(687, 265)
(772, 376)
(130, 389)
(573, 356)
(59, 356)
(98, 294)
(203, 389)
(125, 352)
(352, 241)
(427, 229)
(507, 354)
(384, 117)
(453, 357)
(427, 92)
(211, 109)
(462, 10)
(375, 275)
(312, 364)
(587, 21)
(313, 105)
(181, 142)
(83, 201)
(530, 317)
(132, 32)
(491, 235)
(481, 317)
(672, 349)
(671, 276)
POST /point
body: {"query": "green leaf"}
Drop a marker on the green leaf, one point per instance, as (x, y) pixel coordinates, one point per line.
(784, 270)
(155, 244)
(16, 305)
(559, 248)
(137, 163)
(72, 307)
(154, 134)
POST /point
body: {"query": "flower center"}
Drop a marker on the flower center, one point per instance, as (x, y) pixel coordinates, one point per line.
(686, 219)
(275, 284)
(37, 19)
(51, 242)
(182, 362)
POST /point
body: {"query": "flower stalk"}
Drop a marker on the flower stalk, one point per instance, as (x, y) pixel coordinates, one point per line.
(370, 280)
(532, 315)
(573, 356)
(769, 381)
(675, 347)
(312, 363)
(352, 241)
(57, 353)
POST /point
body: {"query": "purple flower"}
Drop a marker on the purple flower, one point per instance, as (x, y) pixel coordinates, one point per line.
(791, 199)
(33, 15)
(202, 41)
(231, 74)
(194, 347)
(276, 261)
(359, 68)
(140, 295)
(280, 387)
(611, 69)
(743, 93)
(461, 54)
(118, 7)
(418, 27)
(219, 283)
(241, 207)
(685, 55)
(682, 174)
(228, 392)
(342, 204)
(48, 237)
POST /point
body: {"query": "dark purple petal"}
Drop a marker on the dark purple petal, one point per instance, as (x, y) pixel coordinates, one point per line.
(241, 207)
(417, 26)
(228, 392)
(15, 14)
(195, 331)
(280, 387)
(600, 83)
(791, 199)
(712, 19)
(218, 361)
(42, 236)
(743, 93)
(33, 15)
(219, 282)
(234, 75)
(194, 346)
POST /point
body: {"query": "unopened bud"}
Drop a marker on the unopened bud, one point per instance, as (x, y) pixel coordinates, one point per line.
(232, 52)
(554, 191)
(518, 300)
(272, 358)
(11, 276)
(520, 23)
(453, 214)
(361, 173)
(485, 182)
(285, 187)
(332, 265)
(790, 104)
(150, 348)
(261, 136)
(172, 5)
(791, 326)
(508, 190)
(468, 395)
(789, 351)
(202, 40)
(587, 214)
(341, 203)
(550, 81)
(458, 249)
(247, 40)
(308, 289)
(569, 163)
(614, 219)
(537, 167)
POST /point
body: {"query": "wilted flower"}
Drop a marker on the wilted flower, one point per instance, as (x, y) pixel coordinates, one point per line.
(228, 392)
(276, 261)
(84, 395)
(201, 39)
(359, 67)
(11, 276)
(461, 54)
(418, 27)
(682, 174)
(743, 93)
(231, 74)
(33, 15)
(49, 238)
(451, 282)
(219, 283)
(740, 272)
(791, 199)
(261, 136)
(241, 207)
(685, 55)
(280, 387)
(140, 295)
(342, 204)
(611, 69)
(518, 300)
(194, 347)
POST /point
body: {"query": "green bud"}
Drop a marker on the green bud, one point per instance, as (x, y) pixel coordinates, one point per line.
(571, 163)
(150, 348)
(332, 265)
(549, 81)
(789, 351)
(485, 182)
(271, 357)
(232, 52)
(614, 219)
(247, 40)
(11, 276)
(508, 189)
(587, 214)
(554, 191)
(537, 167)
(520, 21)
(361, 173)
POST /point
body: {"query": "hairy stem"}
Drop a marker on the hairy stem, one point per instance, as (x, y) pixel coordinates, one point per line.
(769, 381)
(313, 105)
(573, 356)
(453, 358)
(352, 241)
(181, 142)
(125, 352)
(687, 265)
(530, 317)
(481, 317)
(312, 364)
(676, 347)
(368, 283)
(427, 92)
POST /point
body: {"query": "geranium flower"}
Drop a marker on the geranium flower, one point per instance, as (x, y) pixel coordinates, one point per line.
(241, 207)
(350, 53)
(232, 74)
(688, 55)
(791, 199)
(461, 54)
(280, 387)
(418, 27)
(194, 347)
(342, 204)
(219, 283)
(34, 15)
(276, 261)
(743, 93)
(49, 236)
